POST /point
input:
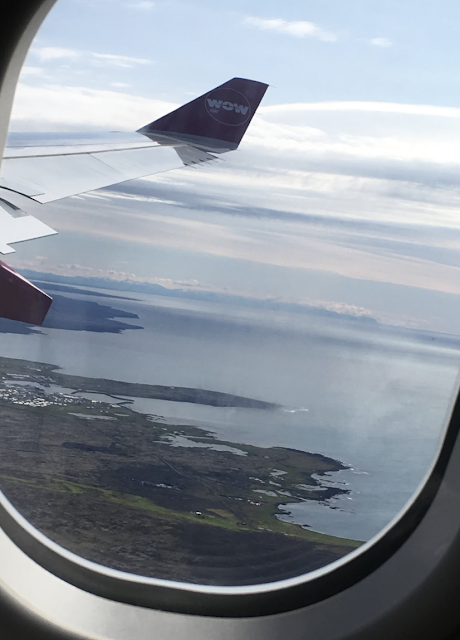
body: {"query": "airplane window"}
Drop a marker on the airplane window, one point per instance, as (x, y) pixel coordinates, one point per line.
(236, 360)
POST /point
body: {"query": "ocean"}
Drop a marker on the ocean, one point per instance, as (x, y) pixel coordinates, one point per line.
(376, 398)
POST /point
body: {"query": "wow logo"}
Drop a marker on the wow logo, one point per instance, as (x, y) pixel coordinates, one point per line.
(228, 106)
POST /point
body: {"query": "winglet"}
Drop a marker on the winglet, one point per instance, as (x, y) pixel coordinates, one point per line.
(216, 121)
(20, 299)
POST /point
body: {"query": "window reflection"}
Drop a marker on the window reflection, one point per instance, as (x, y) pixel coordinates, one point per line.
(248, 367)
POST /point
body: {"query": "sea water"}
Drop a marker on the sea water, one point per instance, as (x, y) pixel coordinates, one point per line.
(376, 398)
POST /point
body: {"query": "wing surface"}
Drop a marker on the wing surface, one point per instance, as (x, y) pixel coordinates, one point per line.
(44, 168)
(15, 226)
(52, 173)
(213, 123)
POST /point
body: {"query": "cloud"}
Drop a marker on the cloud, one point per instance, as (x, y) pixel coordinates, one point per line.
(31, 71)
(44, 54)
(144, 5)
(171, 190)
(47, 54)
(381, 42)
(45, 265)
(297, 29)
(284, 243)
(398, 160)
(60, 108)
(125, 62)
(369, 107)
(357, 190)
(238, 296)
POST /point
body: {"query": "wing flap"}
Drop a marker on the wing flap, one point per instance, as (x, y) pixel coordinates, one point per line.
(191, 155)
(18, 228)
(136, 163)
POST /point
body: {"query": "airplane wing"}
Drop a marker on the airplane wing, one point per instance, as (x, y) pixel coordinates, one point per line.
(44, 168)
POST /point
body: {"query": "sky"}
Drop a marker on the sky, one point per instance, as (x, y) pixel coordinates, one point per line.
(343, 194)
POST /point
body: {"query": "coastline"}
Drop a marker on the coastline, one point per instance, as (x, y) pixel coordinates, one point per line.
(114, 485)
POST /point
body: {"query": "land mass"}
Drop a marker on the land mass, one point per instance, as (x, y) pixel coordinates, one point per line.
(72, 314)
(135, 493)
(49, 374)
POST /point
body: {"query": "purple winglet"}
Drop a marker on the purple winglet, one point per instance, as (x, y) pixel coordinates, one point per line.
(215, 121)
(20, 299)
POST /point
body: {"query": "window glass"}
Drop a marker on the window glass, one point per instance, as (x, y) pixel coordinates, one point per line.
(249, 363)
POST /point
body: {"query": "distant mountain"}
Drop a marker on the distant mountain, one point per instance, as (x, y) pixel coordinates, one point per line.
(52, 286)
(204, 296)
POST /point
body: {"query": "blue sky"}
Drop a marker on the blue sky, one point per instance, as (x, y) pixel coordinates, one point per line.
(309, 50)
(344, 192)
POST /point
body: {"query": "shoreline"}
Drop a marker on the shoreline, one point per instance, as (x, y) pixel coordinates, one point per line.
(109, 484)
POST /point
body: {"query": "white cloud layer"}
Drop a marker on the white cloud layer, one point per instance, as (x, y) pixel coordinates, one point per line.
(59, 108)
(381, 42)
(126, 62)
(44, 54)
(295, 28)
(47, 54)
(143, 5)
(323, 178)
(373, 107)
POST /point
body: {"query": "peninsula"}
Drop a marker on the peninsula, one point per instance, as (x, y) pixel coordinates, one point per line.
(136, 493)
